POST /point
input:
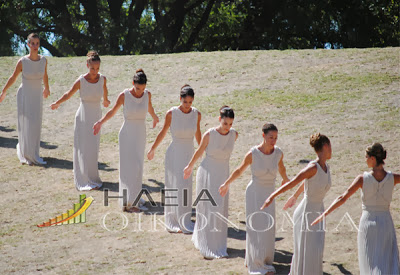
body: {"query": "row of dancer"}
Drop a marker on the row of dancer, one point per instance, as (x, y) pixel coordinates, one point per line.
(184, 122)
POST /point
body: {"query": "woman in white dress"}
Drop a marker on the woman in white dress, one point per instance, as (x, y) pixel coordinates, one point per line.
(184, 122)
(132, 140)
(266, 160)
(29, 101)
(92, 86)
(211, 230)
(378, 252)
(309, 240)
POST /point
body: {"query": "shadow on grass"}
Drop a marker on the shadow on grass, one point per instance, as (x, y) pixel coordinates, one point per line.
(6, 129)
(8, 142)
(282, 261)
(342, 269)
(235, 253)
(154, 189)
(12, 143)
(67, 164)
(111, 186)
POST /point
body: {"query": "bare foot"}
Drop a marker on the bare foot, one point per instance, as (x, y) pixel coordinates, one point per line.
(131, 209)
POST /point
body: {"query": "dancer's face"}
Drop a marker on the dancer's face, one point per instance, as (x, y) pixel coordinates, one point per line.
(139, 88)
(186, 103)
(371, 161)
(34, 45)
(327, 149)
(226, 124)
(94, 68)
(271, 137)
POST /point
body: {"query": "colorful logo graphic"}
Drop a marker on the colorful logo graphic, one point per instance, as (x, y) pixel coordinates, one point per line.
(75, 215)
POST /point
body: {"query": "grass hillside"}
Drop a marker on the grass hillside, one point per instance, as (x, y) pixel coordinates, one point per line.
(351, 95)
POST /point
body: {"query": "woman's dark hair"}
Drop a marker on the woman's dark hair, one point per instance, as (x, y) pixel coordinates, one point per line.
(186, 90)
(92, 56)
(317, 141)
(140, 77)
(226, 111)
(32, 35)
(269, 127)
(376, 150)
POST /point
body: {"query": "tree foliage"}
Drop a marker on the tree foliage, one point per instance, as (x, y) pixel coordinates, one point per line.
(72, 27)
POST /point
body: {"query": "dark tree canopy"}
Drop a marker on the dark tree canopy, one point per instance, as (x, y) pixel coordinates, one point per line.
(72, 27)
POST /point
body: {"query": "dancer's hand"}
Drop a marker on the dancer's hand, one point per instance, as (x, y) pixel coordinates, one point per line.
(223, 189)
(96, 127)
(267, 202)
(46, 93)
(150, 154)
(106, 102)
(290, 202)
(2, 96)
(317, 220)
(155, 121)
(187, 172)
(54, 106)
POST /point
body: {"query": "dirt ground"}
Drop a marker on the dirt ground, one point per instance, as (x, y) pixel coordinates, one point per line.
(352, 96)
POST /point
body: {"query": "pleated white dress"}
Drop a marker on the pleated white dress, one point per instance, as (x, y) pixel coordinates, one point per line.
(178, 201)
(378, 252)
(309, 240)
(132, 143)
(30, 109)
(86, 144)
(260, 224)
(211, 230)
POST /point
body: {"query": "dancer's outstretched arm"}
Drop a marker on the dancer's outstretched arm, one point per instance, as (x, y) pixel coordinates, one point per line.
(198, 131)
(46, 90)
(396, 178)
(161, 135)
(67, 95)
(199, 152)
(282, 171)
(357, 183)
(152, 112)
(306, 173)
(109, 114)
(11, 80)
(106, 102)
(292, 200)
(224, 188)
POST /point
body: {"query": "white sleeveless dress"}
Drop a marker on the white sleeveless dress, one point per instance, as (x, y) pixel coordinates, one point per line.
(30, 109)
(260, 224)
(309, 240)
(86, 144)
(211, 230)
(132, 142)
(178, 202)
(378, 252)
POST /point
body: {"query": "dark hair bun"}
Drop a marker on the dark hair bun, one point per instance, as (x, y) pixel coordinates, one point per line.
(186, 90)
(269, 127)
(140, 77)
(376, 150)
(317, 141)
(226, 111)
(92, 56)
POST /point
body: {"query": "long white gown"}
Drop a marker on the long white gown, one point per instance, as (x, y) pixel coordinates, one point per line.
(211, 230)
(260, 224)
(86, 144)
(309, 240)
(30, 109)
(132, 142)
(178, 203)
(378, 252)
